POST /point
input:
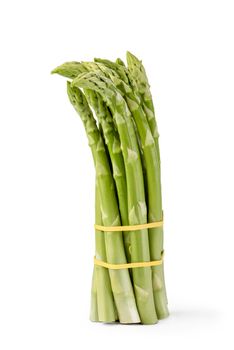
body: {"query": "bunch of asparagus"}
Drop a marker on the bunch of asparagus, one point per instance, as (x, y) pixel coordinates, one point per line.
(123, 138)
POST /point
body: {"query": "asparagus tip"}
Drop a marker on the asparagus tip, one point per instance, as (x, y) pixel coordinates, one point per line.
(54, 71)
(132, 60)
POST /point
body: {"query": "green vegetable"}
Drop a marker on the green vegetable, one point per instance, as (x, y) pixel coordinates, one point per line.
(112, 141)
(94, 303)
(126, 156)
(155, 214)
(120, 279)
(137, 212)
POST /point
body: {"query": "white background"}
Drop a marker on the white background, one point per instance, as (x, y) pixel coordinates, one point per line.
(47, 175)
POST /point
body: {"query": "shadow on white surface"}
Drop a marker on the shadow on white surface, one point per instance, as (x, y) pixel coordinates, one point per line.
(193, 321)
(196, 314)
(187, 318)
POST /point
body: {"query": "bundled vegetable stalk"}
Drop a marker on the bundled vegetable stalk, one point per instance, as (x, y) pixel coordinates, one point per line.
(128, 279)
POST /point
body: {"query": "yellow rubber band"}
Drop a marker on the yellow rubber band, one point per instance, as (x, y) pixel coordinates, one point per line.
(128, 265)
(128, 228)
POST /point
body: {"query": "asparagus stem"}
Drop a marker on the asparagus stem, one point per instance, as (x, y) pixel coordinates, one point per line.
(113, 144)
(123, 81)
(93, 305)
(151, 159)
(151, 163)
(102, 303)
(155, 200)
(123, 90)
(105, 301)
(120, 279)
(135, 186)
(138, 73)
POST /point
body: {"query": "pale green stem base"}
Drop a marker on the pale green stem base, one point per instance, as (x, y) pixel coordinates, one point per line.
(94, 307)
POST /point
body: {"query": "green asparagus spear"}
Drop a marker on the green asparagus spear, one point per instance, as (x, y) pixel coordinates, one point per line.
(72, 70)
(135, 186)
(105, 302)
(111, 84)
(156, 235)
(94, 305)
(120, 279)
(153, 180)
(113, 144)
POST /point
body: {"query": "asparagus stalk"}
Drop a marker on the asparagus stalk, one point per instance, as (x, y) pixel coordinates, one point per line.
(102, 304)
(135, 186)
(94, 306)
(105, 302)
(123, 81)
(72, 70)
(120, 279)
(124, 90)
(156, 235)
(113, 144)
(138, 73)
(153, 180)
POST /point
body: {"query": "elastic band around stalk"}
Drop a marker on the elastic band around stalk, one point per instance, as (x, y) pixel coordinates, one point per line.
(128, 227)
(128, 265)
